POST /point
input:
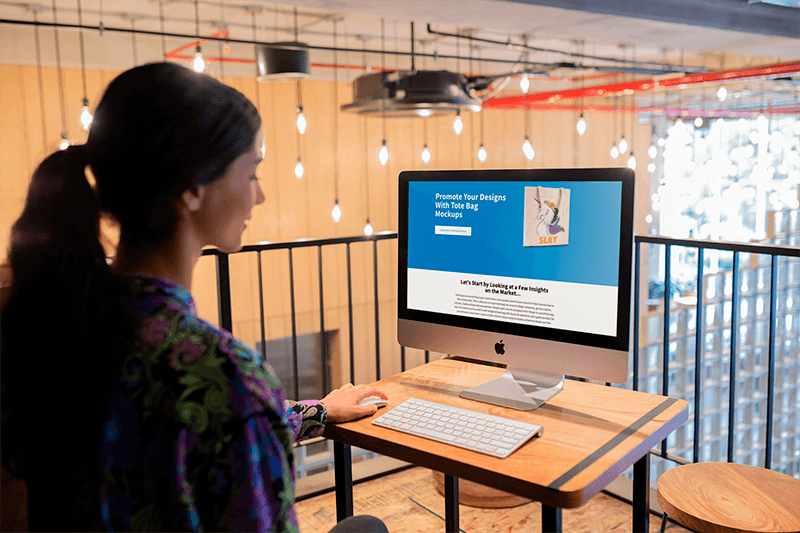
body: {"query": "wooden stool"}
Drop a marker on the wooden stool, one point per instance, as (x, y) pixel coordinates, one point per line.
(474, 494)
(729, 497)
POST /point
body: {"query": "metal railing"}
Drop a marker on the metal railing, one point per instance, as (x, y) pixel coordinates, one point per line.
(639, 373)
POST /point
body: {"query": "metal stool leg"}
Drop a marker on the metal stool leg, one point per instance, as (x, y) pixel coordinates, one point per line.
(664, 523)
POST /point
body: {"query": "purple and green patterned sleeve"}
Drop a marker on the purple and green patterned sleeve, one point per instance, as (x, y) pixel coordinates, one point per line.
(306, 418)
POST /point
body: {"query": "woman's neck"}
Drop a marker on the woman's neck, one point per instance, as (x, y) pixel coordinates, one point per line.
(173, 261)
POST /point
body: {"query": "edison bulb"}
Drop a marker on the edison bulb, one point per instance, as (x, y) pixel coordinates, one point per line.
(632, 162)
(301, 121)
(426, 155)
(198, 63)
(528, 150)
(614, 152)
(298, 169)
(367, 229)
(336, 212)
(623, 146)
(86, 117)
(651, 167)
(652, 152)
(383, 154)
(482, 154)
(698, 122)
(581, 126)
(64, 142)
(722, 93)
(524, 83)
(458, 124)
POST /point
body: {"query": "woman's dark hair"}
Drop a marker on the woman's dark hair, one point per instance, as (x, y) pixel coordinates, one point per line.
(159, 129)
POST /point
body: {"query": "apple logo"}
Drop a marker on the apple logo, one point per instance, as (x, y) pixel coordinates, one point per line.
(500, 348)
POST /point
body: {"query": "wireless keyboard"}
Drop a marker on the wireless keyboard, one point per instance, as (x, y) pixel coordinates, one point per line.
(492, 435)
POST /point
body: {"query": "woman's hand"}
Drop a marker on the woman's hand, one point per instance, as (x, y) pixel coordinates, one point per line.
(342, 403)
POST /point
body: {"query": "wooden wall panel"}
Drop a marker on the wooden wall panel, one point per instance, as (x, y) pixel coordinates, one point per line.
(301, 208)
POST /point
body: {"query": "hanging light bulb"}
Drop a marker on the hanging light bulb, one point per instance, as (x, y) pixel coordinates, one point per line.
(698, 122)
(652, 152)
(581, 126)
(614, 151)
(722, 93)
(64, 141)
(528, 150)
(336, 212)
(367, 228)
(86, 116)
(298, 169)
(301, 121)
(481, 154)
(426, 155)
(524, 83)
(623, 146)
(198, 63)
(458, 124)
(632, 162)
(383, 154)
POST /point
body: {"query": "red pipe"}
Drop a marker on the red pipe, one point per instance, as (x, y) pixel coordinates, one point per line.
(670, 111)
(520, 102)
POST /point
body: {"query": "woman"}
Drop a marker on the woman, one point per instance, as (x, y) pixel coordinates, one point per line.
(125, 410)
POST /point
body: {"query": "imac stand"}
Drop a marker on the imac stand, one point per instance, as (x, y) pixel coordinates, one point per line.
(518, 389)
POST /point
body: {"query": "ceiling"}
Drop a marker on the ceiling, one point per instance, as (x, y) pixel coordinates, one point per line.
(703, 33)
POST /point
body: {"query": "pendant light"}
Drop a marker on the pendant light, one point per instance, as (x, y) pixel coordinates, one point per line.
(64, 137)
(198, 63)
(581, 125)
(367, 227)
(524, 84)
(527, 147)
(383, 153)
(458, 124)
(632, 159)
(614, 148)
(336, 212)
(301, 122)
(86, 115)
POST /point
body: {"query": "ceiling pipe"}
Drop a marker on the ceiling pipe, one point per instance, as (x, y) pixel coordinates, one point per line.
(520, 102)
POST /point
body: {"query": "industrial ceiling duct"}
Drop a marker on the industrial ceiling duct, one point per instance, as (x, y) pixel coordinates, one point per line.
(413, 93)
(282, 62)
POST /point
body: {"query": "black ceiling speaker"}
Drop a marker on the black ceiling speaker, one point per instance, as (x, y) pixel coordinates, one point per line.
(282, 62)
(413, 93)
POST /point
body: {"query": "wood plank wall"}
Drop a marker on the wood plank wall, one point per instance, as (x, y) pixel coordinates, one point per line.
(301, 208)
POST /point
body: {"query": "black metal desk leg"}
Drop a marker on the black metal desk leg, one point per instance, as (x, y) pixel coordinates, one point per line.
(641, 494)
(551, 519)
(343, 474)
(450, 504)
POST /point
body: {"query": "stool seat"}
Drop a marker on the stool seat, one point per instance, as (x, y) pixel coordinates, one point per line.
(729, 497)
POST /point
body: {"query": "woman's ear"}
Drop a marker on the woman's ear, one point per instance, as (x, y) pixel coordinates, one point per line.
(192, 197)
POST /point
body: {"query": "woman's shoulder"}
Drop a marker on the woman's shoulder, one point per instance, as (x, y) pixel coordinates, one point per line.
(202, 355)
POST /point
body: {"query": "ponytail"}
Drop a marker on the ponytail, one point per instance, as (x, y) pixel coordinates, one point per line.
(61, 325)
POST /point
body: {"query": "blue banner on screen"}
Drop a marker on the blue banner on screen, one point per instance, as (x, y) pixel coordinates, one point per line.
(526, 252)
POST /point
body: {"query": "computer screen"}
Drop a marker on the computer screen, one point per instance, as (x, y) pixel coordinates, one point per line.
(529, 268)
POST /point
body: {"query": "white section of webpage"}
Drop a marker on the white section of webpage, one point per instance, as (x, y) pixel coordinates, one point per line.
(556, 304)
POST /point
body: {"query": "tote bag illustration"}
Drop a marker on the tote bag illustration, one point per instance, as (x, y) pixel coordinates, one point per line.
(546, 216)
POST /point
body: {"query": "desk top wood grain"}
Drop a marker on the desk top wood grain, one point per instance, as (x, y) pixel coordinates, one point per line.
(591, 433)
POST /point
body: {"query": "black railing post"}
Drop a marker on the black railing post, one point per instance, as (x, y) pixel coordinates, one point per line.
(636, 311)
(733, 361)
(295, 365)
(773, 317)
(665, 340)
(224, 292)
(261, 309)
(377, 315)
(699, 347)
(350, 315)
(323, 337)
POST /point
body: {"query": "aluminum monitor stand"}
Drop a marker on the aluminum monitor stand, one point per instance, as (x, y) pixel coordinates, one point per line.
(518, 389)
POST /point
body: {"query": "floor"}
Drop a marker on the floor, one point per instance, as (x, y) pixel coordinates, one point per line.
(408, 502)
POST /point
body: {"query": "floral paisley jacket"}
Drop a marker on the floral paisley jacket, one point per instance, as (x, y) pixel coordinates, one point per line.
(199, 434)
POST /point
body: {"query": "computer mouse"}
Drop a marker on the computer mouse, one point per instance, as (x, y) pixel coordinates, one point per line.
(369, 400)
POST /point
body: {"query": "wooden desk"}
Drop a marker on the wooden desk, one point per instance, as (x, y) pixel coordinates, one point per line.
(592, 433)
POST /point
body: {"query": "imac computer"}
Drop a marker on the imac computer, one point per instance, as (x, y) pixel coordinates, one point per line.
(527, 268)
